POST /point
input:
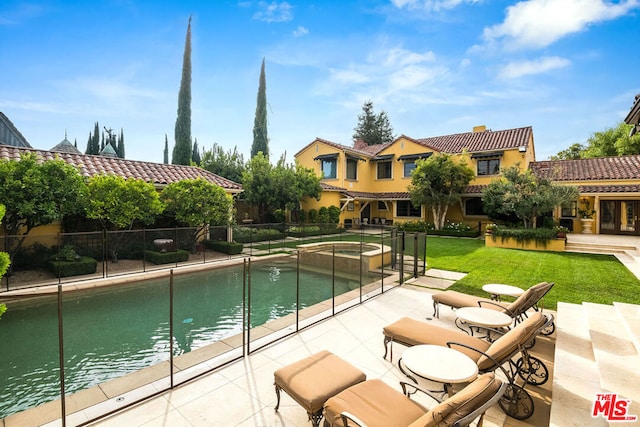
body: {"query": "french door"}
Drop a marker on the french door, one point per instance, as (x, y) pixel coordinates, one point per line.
(620, 217)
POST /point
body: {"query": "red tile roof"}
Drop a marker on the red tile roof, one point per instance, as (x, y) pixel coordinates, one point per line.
(479, 141)
(159, 174)
(600, 169)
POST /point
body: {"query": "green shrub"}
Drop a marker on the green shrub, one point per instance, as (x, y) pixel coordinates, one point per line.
(254, 234)
(541, 235)
(82, 265)
(166, 257)
(304, 231)
(231, 248)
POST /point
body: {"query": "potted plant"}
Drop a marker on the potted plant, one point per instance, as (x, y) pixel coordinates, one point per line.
(490, 228)
(561, 232)
(586, 215)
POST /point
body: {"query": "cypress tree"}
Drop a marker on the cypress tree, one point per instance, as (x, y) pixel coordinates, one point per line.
(89, 144)
(95, 146)
(120, 149)
(260, 137)
(182, 149)
(195, 156)
(166, 149)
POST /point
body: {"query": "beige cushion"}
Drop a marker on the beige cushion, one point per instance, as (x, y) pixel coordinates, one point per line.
(414, 332)
(457, 299)
(314, 379)
(461, 404)
(507, 344)
(375, 403)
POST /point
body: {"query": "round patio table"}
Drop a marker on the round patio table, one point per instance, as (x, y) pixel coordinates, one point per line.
(497, 289)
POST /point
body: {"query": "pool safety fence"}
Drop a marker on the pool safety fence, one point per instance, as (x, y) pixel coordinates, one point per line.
(39, 259)
(172, 330)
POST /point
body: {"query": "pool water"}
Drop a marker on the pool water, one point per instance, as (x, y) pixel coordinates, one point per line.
(110, 332)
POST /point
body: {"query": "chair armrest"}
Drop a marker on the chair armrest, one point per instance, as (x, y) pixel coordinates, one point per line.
(494, 361)
(347, 416)
(502, 307)
(429, 393)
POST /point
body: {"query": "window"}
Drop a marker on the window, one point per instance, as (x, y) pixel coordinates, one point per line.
(384, 170)
(329, 168)
(352, 169)
(474, 206)
(405, 208)
(569, 209)
(382, 206)
(488, 166)
(409, 166)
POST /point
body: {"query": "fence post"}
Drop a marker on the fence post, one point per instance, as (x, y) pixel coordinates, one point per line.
(415, 255)
(171, 326)
(61, 354)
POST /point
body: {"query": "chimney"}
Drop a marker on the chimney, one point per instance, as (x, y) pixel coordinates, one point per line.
(481, 128)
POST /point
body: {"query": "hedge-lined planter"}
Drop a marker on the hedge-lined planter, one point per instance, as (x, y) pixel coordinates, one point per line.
(83, 265)
(166, 257)
(230, 248)
(553, 245)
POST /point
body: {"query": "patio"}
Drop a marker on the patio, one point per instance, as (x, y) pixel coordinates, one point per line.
(242, 394)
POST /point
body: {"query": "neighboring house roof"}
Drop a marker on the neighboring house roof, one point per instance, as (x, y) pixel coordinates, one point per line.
(593, 169)
(108, 151)
(10, 135)
(479, 141)
(159, 174)
(65, 146)
(633, 118)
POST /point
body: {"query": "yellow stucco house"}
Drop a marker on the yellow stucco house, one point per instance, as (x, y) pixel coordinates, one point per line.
(369, 183)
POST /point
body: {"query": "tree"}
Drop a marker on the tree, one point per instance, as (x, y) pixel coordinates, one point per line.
(182, 148)
(575, 151)
(525, 196)
(260, 137)
(439, 182)
(93, 144)
(120, 149)
(373, 129)
(283, 186)
(36, 193)
(4, 261)
(195, 156)
(166, 149)
(614, 141)
(118, 203)
(197, 203)
(228, 164)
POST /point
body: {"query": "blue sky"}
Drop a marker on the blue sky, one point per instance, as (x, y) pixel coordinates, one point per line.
(567, 68)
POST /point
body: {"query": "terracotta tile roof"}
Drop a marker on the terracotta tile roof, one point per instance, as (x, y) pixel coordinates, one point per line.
(159, 174)
(600, 168)
(479, 141)
(366, 151)
(632, 188)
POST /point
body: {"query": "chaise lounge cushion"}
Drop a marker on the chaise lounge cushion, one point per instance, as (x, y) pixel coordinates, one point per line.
(412, 332)
(460, 404)
(374, 402)
(314, 379)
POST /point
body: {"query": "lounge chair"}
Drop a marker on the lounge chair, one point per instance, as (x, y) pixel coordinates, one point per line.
(374, 403)
(489, 356)
(516, 309)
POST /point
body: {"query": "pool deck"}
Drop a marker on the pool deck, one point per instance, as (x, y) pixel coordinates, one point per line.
(242, 393)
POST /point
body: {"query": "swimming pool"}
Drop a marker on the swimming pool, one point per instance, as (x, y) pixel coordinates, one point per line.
(110, 332)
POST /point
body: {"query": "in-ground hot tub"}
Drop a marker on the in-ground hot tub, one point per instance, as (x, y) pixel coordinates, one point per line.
(347, 255)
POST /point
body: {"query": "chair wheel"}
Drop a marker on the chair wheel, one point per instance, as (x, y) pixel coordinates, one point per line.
(516, 402)
(536, 373)
(549, 329)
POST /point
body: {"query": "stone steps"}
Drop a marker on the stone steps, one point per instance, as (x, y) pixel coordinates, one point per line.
(597, 351)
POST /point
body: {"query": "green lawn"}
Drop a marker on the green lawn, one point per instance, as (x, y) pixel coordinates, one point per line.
(577, 277)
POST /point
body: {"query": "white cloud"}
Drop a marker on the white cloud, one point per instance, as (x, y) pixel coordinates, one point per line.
(517, 69)
(274, 12)
(430, 5)
(300, 31)
(539, 23)
(398, 57)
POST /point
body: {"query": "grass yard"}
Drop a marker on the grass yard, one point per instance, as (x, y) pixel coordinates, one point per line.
(577, 277)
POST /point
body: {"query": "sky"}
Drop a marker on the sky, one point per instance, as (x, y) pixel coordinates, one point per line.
(567, 68)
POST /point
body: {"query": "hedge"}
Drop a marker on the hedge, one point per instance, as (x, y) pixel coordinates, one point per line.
(231, 248)
(166, 257)
(83, 265)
